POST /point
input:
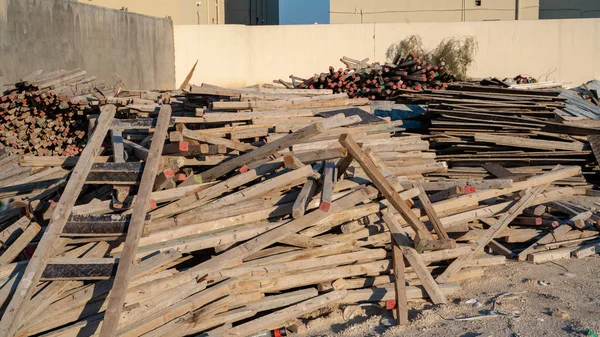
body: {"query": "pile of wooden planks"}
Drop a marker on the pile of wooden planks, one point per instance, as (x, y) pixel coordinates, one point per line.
(471, 125)
(229, 212)
(376, 81)
(44, 113)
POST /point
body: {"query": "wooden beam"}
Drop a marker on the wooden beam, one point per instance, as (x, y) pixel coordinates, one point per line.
(271, 148)
(228, 287)
(20, 243)
(209, 139)
(384, 187)
(305, 196)
(187, 79)
(292, 162)
(328, 183)
(500, 249)
(400, 285)
(414, 259)
(134, 232)
(262, 241)
(385, 293)
(548, 238)
(201, 195)
(11, 320)
(139, 151)
(279, 318)
(529, 143)
(120, 192)
(551, 255)
(431, 213)
(491, 232)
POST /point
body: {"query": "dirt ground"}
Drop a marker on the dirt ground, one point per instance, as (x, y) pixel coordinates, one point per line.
(560, 298)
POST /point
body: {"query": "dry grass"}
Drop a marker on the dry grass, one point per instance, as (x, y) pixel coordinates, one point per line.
(457, 53)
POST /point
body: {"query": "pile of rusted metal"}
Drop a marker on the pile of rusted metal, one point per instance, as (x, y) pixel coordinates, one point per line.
(45, 114)
(229, 212)
(378, 82)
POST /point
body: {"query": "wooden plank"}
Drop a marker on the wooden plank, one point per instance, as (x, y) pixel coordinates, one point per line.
(299, 264)
(270, 148)
(20, 243)
(79, 269)
(187, 79)
(120, 192)
(386, 293)
(209, 139)
(328, 183)
(249, 133)
(289, 104)
(134, 232)
(586, 250)
(11, 320)
(55, 290)
(400, 286)
(529, 143)
(384, 187)
(498, 170)
(69, 308)
(478, 184)
(12, 232)
(474, 198)
(451, 192)
(279, 318)
(551, 255)
(191, 303)
(431, 214)
(292, 162)
(306, 194)
(548, 238)
(52, 161)
(415, 261)
(262, 241)
(491, 232)
(500, 249)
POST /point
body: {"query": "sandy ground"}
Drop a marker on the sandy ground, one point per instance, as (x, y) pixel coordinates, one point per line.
(553, 299)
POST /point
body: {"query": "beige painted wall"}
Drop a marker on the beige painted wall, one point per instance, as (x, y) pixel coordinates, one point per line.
(564, 50)
(182, 12)
(387, 11)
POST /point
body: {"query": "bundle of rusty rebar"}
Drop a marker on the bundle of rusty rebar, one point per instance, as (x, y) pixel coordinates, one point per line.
(376, 81)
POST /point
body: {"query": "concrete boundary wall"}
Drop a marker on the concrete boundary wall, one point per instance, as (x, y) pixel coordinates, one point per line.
(235, 56)
(61, 34)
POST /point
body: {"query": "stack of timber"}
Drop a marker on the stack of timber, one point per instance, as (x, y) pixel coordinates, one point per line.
(376, 81)
(41, 114)
(471, 125)
(245, 210)
(582, 105)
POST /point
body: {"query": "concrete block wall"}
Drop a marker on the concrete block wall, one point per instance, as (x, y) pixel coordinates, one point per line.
(62, 34)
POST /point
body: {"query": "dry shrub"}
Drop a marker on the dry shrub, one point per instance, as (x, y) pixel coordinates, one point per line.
(457, 53)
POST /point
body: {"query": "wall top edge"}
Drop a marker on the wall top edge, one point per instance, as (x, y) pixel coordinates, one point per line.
(96, 7)
(541, 21)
